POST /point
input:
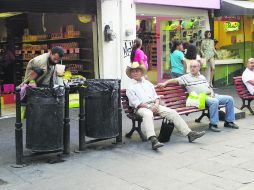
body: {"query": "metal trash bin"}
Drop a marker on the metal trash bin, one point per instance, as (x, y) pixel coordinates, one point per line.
(44, 119)
(101, 108)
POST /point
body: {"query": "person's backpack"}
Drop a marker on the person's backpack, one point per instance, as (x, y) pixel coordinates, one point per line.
(167, 128)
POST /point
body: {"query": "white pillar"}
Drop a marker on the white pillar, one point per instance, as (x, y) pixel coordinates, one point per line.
(120, 15)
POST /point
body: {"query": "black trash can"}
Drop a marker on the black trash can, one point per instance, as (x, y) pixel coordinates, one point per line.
(101, 108)
(44, 119)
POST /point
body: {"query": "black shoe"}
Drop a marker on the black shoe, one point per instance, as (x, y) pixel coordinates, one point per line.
(194, 135)
(214, 128)
(155, 143)
(231, 125)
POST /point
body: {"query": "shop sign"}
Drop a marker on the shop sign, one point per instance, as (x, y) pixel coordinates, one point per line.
(230, 18)
(232, 26)
(210, 4)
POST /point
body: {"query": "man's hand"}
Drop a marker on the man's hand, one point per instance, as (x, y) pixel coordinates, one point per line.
(161, 85)
(142, 105)
(154, 109)
(33, 75)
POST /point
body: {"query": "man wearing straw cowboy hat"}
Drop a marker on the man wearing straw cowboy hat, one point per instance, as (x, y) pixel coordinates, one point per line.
(142, 96)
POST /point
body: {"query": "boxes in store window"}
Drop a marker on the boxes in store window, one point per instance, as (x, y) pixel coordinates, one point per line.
(8, 98)
(8, 88)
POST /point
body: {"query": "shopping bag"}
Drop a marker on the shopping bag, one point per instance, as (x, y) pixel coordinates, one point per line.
(166, 130)
(196, 100)
(203, 62)
(23, 112)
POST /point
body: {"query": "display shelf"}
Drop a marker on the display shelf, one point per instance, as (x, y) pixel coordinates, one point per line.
(86, 71)
(51, 40)
(228, 61)
(74, 60)
(46, 40)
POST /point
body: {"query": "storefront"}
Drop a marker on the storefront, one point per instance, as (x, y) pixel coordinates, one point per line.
(158, 23)
(35, 27)
(233, 30)
(28, 29)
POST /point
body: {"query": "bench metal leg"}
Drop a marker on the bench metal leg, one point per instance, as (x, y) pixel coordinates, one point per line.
(141, 134)
(243, 106)
(202, 115)
(138, 129)
(247, 106)
(128, 135)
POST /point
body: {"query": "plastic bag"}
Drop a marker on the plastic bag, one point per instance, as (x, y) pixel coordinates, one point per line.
(196, 100)
(203, 62)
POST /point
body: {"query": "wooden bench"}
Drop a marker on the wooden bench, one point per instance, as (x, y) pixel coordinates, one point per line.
(243, 93)
(174, 96)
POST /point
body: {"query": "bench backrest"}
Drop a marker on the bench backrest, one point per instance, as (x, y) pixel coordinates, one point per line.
(173, 96)
(240, 87)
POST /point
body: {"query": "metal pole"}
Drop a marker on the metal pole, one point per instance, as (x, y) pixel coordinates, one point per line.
(119, 137)
(66, 131)
(18, 130)
(82, 129)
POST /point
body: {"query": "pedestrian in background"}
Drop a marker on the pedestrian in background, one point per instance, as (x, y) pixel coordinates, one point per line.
(192, 56)
(208, 52)
(137, 55)
(177, 60)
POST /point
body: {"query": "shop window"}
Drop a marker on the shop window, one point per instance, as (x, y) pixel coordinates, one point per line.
(189, 31)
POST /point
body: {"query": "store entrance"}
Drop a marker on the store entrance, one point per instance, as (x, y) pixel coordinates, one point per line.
(158, 33)
(24, 36)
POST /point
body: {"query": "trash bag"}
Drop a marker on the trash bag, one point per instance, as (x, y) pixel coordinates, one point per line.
(101, 108)
(44, 119)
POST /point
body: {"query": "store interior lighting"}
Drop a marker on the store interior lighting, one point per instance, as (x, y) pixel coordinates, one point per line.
(8, 14)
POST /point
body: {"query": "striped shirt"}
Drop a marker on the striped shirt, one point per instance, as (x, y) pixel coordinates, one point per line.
(196, 84)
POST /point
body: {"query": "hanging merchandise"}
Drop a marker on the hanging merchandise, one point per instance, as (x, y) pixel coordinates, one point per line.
(85, 18)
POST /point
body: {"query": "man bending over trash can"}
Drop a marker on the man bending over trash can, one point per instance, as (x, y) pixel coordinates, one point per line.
(45, 70)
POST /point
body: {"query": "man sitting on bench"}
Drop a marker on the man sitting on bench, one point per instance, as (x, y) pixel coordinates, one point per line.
(142, 96)
(195, 82)
(248, 76)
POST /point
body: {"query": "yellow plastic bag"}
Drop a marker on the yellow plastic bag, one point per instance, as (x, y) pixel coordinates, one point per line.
(196, 100)
(203, 62)
(74, 101)
(23, 111)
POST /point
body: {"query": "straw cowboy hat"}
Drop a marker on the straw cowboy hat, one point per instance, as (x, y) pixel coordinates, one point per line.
(135, 65)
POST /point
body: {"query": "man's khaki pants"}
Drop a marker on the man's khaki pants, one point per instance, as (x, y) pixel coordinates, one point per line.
(163, 111)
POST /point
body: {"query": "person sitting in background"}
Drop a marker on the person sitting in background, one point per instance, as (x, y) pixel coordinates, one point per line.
(142, 96)
(248, 76)
(177, 60)
(195, 82)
